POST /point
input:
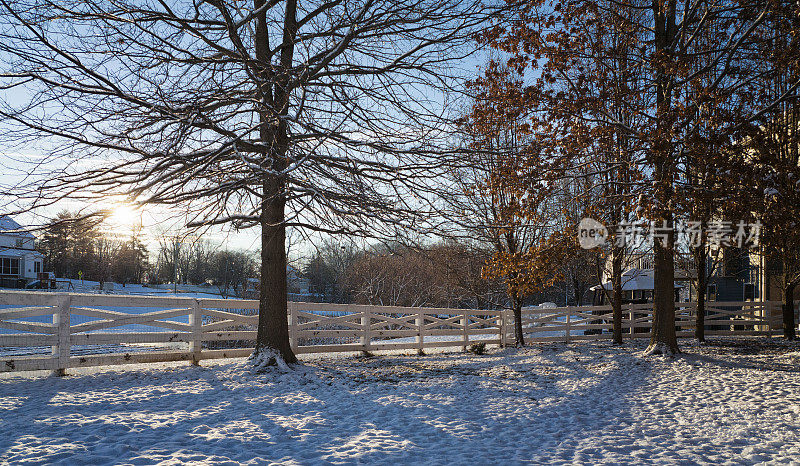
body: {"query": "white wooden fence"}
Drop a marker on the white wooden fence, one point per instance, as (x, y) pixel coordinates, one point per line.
(754, 318)
(55, 331)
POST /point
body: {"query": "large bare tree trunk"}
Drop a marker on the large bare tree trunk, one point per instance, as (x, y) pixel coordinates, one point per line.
(273, 334)
(273, 329)
(663, 339)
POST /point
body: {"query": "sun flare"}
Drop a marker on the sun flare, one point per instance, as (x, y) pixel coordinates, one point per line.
(124, 215)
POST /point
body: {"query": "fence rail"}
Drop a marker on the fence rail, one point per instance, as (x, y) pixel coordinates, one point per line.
(56, 331)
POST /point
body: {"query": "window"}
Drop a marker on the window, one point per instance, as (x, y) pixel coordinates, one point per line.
(9, 266)
(37, 266)
(19, 242)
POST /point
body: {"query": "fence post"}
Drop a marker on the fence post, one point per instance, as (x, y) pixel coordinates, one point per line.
(508, 320)
(196, 325)
(569, 315)
(366, 323)
(420, 322)
(501, 324)
(630, 317)
(61, 323)
(465, 325)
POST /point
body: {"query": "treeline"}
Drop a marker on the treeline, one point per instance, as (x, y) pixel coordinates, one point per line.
(78, 247)
(446, 274)
(197, 262)
(82, 247)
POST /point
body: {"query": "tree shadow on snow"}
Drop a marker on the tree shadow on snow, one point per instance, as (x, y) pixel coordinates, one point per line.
(440, 408)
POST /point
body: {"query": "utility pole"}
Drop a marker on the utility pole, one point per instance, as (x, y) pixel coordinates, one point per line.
(176, 242)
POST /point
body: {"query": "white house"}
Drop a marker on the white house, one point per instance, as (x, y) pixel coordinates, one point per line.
(19, 261)
(637, 286)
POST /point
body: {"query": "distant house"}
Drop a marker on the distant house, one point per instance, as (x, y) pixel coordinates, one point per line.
(637, 287)
(739, 275)
(19, 261)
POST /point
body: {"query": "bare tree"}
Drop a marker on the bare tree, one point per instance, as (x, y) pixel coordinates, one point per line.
(317, 114)
(168, 267)
(395, 278)
(459, 266)
(105, 249)
(437, 275)
(328, 268)
(131, 261)
(230, 271)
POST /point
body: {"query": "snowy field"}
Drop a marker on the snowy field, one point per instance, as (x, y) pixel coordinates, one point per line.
(734, 401)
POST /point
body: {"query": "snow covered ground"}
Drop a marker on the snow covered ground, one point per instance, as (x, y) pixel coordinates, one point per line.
(733, 400)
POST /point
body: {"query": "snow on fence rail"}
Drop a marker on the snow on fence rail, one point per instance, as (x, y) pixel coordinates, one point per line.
(55, 331)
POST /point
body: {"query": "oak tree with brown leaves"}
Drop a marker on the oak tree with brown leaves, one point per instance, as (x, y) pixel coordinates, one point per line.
(507, 190)
(774, 146)
(660, 42)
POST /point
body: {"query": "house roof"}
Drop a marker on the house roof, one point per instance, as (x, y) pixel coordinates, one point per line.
(9, 225)
(634, 279)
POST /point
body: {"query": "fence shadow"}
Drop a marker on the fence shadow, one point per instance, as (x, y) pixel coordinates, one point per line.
(386, 409)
